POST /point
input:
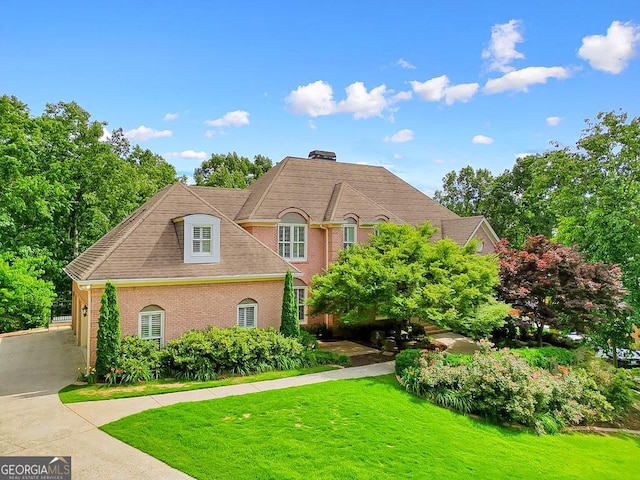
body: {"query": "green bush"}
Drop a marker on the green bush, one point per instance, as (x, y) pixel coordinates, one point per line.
(502, 386)
(308, 340)
(548, 358)
(324, 357)
(407, 358)
(140, 360)
(25, 298)
(202, 355)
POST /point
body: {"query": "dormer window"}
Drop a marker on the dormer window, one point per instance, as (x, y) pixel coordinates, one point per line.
(201, 238)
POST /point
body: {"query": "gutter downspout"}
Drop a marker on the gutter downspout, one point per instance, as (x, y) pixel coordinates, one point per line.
(88, 327)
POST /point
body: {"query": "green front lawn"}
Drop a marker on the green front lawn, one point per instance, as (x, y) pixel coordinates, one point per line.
(87, 393)
(364, 428)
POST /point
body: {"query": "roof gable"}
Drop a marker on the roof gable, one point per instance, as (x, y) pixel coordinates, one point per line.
(145, 245)
(346, 200)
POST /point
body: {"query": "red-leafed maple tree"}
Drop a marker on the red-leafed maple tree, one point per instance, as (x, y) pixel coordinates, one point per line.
(551, 284)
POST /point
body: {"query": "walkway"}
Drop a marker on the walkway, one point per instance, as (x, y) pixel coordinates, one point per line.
(33, 421)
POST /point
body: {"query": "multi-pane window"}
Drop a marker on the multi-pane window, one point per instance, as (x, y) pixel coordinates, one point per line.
(300, 294)
(248, 314)
(292, 242)
(151, 326)
(348, 235)
(201, 240)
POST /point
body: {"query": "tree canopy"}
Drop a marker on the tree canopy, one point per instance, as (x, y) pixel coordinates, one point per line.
(231, 170)
(64, 185)
(402, 274)
(551, 284)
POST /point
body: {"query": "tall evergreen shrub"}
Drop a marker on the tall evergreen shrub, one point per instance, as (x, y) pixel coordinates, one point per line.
(108, 344)
(289, 324)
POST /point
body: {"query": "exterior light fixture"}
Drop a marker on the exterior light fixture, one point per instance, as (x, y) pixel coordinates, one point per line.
(84, 311)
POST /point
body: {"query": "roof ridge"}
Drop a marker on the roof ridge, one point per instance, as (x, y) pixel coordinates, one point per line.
(138, 220)
(235, 225)
(279, 166)
(334, 201)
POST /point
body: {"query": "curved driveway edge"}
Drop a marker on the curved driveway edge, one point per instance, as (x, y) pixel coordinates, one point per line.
(33, 421)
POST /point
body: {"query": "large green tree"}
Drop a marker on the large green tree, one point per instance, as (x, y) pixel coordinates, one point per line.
(289, 323)
(402, 274)
(466, 192)
(63, 185)
(231, 171)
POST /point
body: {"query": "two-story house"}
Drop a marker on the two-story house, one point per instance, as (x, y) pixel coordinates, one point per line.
(195, 256)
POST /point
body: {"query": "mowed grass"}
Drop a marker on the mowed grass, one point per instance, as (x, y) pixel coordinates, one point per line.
(87, 393)
(361, 429)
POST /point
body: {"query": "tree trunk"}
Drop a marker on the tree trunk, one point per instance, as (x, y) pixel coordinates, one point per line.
(615, 354)
(539, 334)
(75, 237)
(400, 323)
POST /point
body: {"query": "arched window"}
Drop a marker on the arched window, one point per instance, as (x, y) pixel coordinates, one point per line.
(248, 313)
(292, 237)
(151, 324)
(349, 233)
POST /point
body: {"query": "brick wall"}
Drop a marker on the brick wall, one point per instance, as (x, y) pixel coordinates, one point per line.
(192, 306)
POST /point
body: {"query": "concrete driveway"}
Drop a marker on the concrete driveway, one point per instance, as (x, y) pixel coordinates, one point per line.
(33, 421)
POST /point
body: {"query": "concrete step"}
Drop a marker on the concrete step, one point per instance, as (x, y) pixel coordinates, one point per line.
(432, 329)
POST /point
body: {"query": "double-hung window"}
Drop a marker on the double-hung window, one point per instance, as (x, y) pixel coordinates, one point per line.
(202, 239)
(348, 234)
(151, 326)
(292, 237)
(300, 294)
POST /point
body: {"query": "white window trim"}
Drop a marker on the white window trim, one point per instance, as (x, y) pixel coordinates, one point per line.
(201, 220)
(291, 242)
(349, 226)
(194, 239)
(149, 313)
(304, 296)
(255, 313)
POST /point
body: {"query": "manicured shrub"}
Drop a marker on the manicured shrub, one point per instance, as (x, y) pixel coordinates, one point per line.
(406, 358)
(108, 336)
(140, 360)
(289, 323)
(202, 355)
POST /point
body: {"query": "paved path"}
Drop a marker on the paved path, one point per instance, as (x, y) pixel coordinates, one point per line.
(33, 421)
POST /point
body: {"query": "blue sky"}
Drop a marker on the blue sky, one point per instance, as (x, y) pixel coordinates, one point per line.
(420, 87)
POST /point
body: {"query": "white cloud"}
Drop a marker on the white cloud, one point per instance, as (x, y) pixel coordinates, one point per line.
(209, 133)
(312, 125)
(462, 92)
(502, 49)
(314, 99)
(171, 116)
(187, 154)
(611, 52)
(142, 133)
(397, 156)
(363, 104)
(402, 136)
(482, 140)
(553, 121)
(520, 80)
(440, 88)
(402, 63)
(524, 155)
(237, 118)
(106, 135)
(432, 90)
(438, 161)
(401, 97)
